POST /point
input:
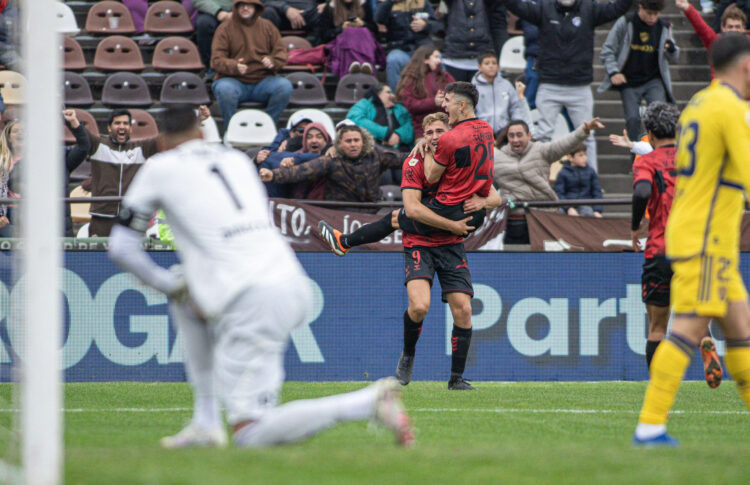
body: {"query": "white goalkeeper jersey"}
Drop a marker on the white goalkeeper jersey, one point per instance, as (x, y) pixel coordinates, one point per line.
(217, 208)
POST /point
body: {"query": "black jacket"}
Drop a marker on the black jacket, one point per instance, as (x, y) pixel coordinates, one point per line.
(74, 156)
(578, 183)
(473, 27)
(566, 36)
(396, 18)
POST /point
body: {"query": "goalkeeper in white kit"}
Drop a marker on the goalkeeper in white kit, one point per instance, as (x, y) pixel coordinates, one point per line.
(235, 298)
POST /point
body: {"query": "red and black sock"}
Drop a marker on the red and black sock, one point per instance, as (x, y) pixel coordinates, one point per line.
(369, 233)
(650, 349)
(412, 331)
(460, 342)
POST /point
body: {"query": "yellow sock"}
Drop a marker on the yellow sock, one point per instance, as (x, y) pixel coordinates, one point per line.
(738, 363)
(668, 366)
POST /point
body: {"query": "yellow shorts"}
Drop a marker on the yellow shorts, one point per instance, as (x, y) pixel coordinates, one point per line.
(704, 285)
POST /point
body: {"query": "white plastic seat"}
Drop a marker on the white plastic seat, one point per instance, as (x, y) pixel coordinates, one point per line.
(210, 131)
(250, 127)
(66, 20)
(12, 85)
(511, 55)
(316, 116)
(83, 232)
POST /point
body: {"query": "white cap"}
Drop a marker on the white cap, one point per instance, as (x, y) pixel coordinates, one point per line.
(298, 118)
(345, 122)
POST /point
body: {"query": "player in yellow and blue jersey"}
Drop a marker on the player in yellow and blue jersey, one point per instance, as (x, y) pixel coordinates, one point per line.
(703, 234)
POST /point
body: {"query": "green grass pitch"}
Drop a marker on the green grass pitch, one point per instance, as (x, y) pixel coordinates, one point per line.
(510, 433)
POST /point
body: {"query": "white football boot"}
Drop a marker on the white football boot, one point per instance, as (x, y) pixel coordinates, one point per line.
(390, 412)
(193, 436)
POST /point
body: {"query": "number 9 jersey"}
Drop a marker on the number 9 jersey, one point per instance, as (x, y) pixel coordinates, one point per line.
(713, 174)
(467, 153)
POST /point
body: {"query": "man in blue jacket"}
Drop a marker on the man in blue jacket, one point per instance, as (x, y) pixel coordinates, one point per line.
(566, 57)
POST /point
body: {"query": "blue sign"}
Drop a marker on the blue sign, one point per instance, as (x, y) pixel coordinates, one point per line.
(537, 316)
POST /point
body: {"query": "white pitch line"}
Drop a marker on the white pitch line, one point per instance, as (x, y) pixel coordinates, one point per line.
(421, 410)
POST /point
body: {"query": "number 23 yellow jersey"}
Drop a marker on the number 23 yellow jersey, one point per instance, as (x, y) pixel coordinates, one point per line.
(713, 174)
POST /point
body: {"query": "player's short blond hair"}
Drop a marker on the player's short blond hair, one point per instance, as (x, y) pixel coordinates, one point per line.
(433, 117)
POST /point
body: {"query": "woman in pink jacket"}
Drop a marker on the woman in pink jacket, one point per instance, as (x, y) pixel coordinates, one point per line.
(422, 84)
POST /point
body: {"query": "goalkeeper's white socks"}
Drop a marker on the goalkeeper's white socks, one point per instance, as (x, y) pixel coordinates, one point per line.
(297, 420)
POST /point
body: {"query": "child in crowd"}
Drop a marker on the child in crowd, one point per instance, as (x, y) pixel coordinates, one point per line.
(577, 180)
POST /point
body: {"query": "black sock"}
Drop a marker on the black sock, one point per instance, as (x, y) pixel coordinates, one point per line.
(460, 342)
(412, 331)
(369, 233)
(650, 349)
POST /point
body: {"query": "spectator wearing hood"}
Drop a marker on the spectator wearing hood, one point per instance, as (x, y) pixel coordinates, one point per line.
(388, 122)
(352, 174)
(566, 57)
(287, 139)
(315, 142)
(499, 101)
(246, 54)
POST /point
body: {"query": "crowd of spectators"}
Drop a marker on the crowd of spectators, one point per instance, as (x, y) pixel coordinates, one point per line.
(421, 47)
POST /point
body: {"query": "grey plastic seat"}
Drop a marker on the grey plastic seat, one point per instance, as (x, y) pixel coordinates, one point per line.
(143, 125)
(126, 89)
(184, 88)
(352, 88)
(176, 54)
(77, 91)
(167, 17)
(118, 53)
(308, 90)
(74, 60)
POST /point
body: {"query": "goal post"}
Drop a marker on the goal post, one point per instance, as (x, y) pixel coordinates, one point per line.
(41, 257)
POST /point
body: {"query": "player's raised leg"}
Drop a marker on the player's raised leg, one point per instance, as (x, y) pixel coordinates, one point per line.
(419, 305)
(206, 427)
(341, 243)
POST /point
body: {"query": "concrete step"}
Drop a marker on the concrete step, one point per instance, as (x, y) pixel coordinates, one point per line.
(619, 164)
(682, 90)
(612, 108)
(693, 56)
(678, 73)
(613, 183)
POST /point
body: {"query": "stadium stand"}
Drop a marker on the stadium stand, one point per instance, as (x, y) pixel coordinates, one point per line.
(352, 88)
(109, 17)
(77, 91)
(167, 17)
(308, 90)
(143, 125)
(125, 89)
(73, 58)
(66, 20)
(250, 127)
(12, 86)
(176, 54)
(118, 53)
(184, 87)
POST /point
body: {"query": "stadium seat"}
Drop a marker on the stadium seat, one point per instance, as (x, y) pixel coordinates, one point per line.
(83, 232)
(77, 91)
(176, 54)
(109, 17)
(352, 87)
(80, 212)
(184, 87)
(118, 53)
(316, 116)
(66, 20)
(511, 55)
(167, 17)
(308, 90)
(87, 120)
(126, 89)
(143, 125)
(12, 86)
(250, 127)
(74, 59)
(294, 42)
(210, 131)
(390, 192)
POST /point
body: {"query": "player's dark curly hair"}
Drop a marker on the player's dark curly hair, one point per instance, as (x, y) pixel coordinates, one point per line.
(661, 119)
(467, 90)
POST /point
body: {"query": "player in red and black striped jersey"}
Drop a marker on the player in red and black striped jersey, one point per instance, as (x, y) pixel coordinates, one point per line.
(654, 178)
